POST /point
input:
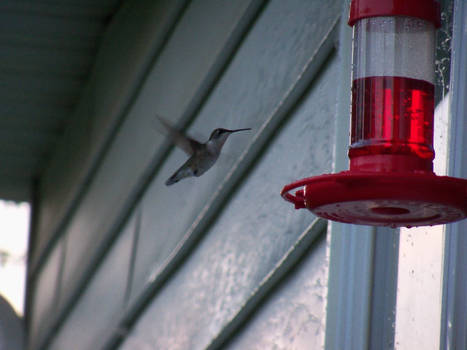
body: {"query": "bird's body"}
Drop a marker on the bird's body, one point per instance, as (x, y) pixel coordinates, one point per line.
(202, 155)
(196, 165)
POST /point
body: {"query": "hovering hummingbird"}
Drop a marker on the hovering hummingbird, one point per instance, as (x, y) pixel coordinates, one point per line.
(202, 155)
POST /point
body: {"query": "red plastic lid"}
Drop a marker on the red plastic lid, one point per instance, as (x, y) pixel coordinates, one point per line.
(382, 199)
(428, 10)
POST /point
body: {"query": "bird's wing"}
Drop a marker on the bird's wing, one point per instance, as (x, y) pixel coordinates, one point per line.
(187, 144)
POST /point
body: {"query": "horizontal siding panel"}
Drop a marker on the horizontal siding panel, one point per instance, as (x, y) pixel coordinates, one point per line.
(250, 236)
(137, 141)
(44, 62)
(35, 97)
(18, 165)
(54, 41)
(260, 76)
(19, 118)
(44, 298)
(24, 141)
(34, 24)
(249, 93)
(97, 9)
(293, 316)
(15, 188)
(116, 181)
(100, 107)
(87, 3)
(93, 319)
(46, 52)
(54, 87)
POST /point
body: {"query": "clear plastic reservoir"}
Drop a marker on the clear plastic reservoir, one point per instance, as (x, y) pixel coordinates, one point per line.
(392, 89)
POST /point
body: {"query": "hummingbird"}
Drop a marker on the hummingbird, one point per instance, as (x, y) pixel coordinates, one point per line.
(202, 155)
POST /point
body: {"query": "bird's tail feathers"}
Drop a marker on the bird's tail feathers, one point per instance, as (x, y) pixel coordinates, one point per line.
(183, 172)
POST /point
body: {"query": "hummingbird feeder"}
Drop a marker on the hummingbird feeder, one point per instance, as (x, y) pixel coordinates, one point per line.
(391, 180)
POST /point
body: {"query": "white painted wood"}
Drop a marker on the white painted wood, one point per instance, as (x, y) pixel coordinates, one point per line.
(118, 71)
(454, 308)
(273, 75)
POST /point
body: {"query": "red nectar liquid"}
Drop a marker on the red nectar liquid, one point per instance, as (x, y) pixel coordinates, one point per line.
(392, 115)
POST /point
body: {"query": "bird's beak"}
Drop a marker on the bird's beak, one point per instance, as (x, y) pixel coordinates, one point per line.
(236, 130)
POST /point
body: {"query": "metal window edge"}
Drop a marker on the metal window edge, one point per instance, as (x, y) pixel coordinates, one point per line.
(454, 298)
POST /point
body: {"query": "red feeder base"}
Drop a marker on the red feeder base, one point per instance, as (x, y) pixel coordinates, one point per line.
(382, 199)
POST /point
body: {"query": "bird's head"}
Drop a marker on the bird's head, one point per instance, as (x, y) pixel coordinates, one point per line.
(222, 134)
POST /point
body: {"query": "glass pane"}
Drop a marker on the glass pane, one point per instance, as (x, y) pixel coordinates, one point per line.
(418, 310)
(419, 294)
(14, 219)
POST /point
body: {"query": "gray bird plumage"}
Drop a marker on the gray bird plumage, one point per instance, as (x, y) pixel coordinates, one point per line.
(202, 155)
